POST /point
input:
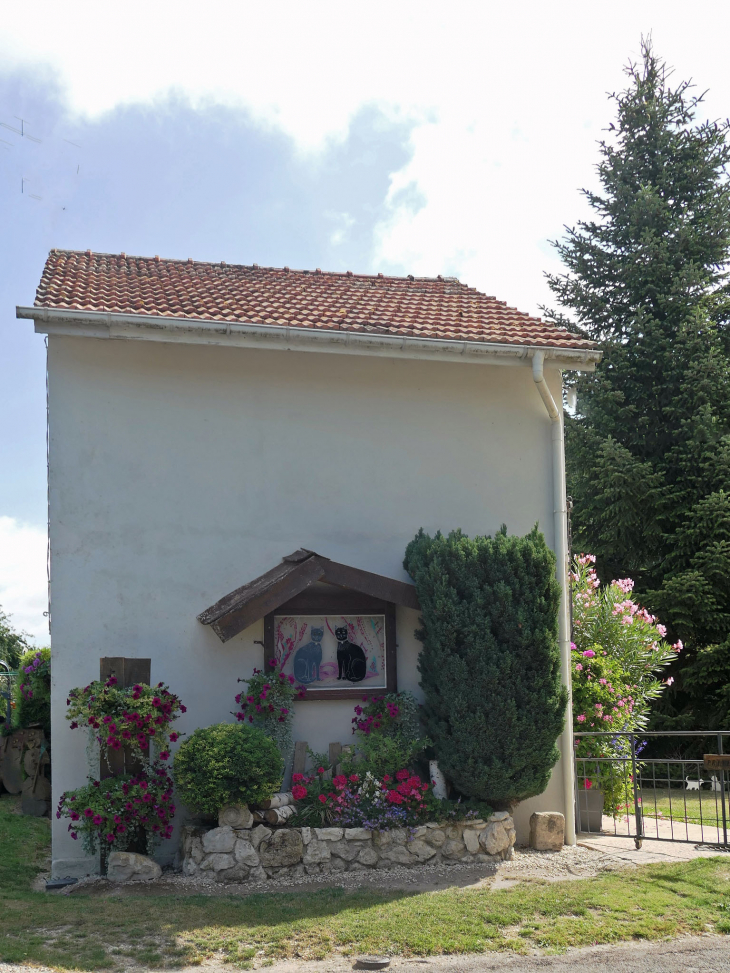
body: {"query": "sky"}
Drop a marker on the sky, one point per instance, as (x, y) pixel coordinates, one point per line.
(411, 137)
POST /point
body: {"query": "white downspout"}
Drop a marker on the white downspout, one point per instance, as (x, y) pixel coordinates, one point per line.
(560, 514)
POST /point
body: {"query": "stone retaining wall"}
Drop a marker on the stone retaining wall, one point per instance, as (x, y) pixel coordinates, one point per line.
(229, 854)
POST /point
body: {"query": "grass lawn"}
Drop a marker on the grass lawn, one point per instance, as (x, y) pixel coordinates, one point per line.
(685, 806)
(88, 932)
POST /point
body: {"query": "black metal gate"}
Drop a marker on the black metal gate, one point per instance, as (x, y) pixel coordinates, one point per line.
(634, 792)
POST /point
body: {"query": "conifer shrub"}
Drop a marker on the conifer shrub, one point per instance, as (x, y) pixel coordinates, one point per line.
(490, 665)
(227, 763)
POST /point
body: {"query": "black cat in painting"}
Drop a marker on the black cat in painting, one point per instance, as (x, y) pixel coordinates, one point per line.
(308, 658)
(351, 661)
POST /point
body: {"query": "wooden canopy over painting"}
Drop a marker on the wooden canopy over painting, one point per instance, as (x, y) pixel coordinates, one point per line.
(297, 572)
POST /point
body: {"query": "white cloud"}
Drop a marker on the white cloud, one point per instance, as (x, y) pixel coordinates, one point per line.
(507, 100)
(23, 587)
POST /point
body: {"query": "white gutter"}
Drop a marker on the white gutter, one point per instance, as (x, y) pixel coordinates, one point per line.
(101, 324)
(560, 514)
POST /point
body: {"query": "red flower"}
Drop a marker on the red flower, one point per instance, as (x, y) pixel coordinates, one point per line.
(296, 778)
(394, 797)
(340, 782)
(298, 792)
(320, 770)
(322, 798)
(402, 775)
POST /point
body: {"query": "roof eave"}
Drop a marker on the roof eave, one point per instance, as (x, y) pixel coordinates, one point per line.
(102, 324)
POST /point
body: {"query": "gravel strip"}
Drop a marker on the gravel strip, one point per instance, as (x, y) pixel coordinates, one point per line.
(570, 863)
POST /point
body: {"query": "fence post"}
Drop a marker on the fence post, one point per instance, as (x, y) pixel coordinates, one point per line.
(637, 800)
(722, 793)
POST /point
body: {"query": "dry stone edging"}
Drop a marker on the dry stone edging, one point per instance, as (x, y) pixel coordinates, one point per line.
(230, 854)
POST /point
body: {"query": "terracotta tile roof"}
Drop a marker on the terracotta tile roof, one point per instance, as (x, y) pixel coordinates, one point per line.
(426, 307)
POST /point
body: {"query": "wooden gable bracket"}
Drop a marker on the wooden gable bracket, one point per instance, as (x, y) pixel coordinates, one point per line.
(297, 572)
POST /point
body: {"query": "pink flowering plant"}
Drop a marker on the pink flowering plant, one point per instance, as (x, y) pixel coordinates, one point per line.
(268, 703)
(618, 657)
(33, 691)
(134, 718)
(118, 812)
(359, 800)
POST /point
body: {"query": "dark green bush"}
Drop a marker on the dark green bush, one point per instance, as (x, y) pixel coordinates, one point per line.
(227, 763)
(490, 664)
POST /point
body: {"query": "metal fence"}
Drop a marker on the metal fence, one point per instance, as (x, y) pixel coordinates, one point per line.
(629, 791)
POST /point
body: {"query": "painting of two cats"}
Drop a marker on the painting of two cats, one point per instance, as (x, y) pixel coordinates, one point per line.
(332, 651)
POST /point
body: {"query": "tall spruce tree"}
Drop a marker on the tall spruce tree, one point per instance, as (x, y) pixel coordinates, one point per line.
(490, 663)
(648, 451)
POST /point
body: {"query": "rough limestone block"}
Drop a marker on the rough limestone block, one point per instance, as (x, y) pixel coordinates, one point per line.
(189, 868)
(127, 866)
(217, 863)
(306, 835)
(196, 850)
(436, 837)
(316, 852)
(368, 855)
(219, 841)
(257, 875)
(239, 873)
(471, 840)
(454, 831)
(260, 834)
(396, 854)
(344, 849)
(454, 849)
(235, 816)
(494, 839)
(328, 834)
(246, 853)
(338, 865)
(421, 849)
(383, 839)
(500, 816)
(547, 830)
(282, 848)
(357, 834)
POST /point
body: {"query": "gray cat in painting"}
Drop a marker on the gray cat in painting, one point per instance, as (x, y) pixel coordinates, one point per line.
(308, 658)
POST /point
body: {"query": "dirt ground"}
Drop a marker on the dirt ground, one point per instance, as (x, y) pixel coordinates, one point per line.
(709, 954)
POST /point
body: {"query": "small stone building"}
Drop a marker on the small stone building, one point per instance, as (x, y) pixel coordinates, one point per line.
(208, 420)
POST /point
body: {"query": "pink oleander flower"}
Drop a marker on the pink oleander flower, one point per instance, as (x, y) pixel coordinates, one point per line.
(581, 718)
(589, 654)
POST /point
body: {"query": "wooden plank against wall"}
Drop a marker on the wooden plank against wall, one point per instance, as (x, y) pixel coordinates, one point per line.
(300, 757)
(127, 672)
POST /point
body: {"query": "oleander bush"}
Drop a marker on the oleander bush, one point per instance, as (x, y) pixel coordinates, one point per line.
(227, 763)
(33, 690)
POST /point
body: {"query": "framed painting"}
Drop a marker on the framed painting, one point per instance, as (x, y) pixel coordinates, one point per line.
(337, 649)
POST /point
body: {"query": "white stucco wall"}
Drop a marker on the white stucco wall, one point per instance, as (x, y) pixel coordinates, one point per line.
(179, 472)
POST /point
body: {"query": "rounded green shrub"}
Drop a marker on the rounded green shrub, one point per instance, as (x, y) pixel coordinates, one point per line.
(227, 763)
